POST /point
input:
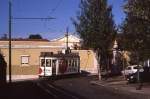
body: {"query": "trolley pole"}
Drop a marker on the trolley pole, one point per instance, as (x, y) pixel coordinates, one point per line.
(10, 21)
(67, 48)
(67, 37)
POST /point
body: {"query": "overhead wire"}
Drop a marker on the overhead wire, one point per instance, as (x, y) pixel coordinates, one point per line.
(53, 10)
(56, 7)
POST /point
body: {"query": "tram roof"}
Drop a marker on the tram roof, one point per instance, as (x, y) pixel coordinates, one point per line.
(51, 54)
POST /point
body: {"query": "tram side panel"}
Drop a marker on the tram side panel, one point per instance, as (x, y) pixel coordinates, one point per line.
(52, 66)
(68, 66)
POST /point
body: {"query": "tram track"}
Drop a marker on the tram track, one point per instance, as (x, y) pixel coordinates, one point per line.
(56, 92)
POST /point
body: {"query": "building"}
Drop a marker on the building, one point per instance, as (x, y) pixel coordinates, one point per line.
(26, 53)
(73, 41)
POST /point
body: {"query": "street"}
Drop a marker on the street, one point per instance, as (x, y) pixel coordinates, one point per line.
(23, 90)
(33, 90)
(84, 88)
(67, 88)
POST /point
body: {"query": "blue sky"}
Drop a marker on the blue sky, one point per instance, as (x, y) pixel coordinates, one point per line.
(62, 10)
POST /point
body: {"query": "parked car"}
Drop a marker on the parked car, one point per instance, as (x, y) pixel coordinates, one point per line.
(143, 76)
(131, 70)
(132, 78)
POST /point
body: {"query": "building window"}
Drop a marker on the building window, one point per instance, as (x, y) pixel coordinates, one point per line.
(24, 59)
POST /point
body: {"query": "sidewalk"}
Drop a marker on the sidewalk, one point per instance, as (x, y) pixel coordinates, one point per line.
(120, 85)
(22, 77)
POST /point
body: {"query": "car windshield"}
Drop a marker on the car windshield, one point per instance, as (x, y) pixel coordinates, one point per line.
(137, 67)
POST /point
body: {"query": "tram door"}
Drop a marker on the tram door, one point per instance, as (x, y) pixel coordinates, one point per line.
(54, 66)
(45, 68)
(48, 67)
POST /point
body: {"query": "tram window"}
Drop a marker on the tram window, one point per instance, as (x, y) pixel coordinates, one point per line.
(78, 62)
(72, 63)
(60, 62)
(69, 62)
(53, 63)
(66, 62)
(48, 63)
(75, 63)
(42, 62)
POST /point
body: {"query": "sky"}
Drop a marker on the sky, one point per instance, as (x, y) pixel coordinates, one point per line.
(61, 10)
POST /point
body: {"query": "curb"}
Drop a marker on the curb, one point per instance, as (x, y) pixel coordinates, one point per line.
(121, 91)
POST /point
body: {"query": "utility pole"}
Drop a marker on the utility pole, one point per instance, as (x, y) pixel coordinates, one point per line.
(10, 30)
(10, 21)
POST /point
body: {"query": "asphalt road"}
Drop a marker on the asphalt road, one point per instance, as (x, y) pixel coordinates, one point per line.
(37, 89)
(68, 88)
(23, 90)
(82, 86)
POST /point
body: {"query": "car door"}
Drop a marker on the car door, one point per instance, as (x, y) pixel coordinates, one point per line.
(128, 70)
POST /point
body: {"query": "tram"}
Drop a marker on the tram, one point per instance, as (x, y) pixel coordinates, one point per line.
(58, 64)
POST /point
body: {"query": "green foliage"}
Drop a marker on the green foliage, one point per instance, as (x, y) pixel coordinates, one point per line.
(95, 24)
(138, 8)
(136, 27)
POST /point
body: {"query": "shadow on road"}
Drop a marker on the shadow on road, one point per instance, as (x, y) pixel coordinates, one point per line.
(22, 90)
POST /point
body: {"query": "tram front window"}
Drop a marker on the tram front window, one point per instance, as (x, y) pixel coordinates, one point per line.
(42, 62)
(48, 63)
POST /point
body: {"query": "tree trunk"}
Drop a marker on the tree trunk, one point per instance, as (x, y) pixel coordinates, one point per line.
(98, 57)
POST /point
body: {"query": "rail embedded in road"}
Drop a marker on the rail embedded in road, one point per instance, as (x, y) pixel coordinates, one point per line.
(55, 91)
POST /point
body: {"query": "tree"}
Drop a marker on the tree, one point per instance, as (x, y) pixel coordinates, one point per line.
(35, 36)
(138, 8)
(95, 25)
(136, 27)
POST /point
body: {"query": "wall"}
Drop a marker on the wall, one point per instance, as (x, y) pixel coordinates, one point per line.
(33, 49)
(88, 62)
(32, 68)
